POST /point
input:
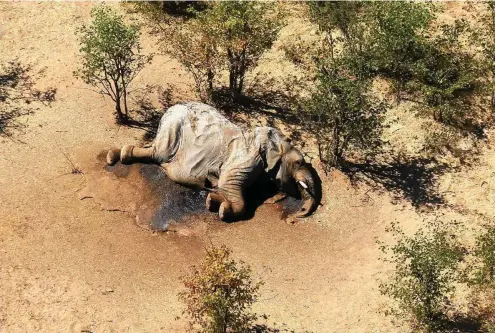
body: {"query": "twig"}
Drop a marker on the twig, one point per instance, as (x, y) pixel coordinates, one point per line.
(75, 169)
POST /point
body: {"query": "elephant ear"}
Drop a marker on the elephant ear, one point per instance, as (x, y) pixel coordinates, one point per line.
(276, 146)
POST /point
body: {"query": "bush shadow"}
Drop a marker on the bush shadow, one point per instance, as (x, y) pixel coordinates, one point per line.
(17, 93)
(146, 115)
(262, 328)
(460, 324)
(415, 179)
(258, 105)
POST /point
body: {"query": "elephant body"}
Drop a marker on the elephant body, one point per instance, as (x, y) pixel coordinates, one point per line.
(198, 147)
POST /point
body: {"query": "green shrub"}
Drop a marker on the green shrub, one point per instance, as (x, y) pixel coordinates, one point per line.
(481, 279)
(219, 293)
(446, 79)
(425, 269)
(342, 114)
(230, 35)
(396, 39)
(485, 257)
(110, 55)
(483, 38)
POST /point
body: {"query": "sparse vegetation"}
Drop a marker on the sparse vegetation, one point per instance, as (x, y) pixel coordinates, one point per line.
(219, 293)
(230, 36)
(425, 269)
(483, 38)
(399, 43)
(355, 62)
(484, 253)
(446, 79)
(397, 40)
(111, 57)
(481, 278)
(196, 47)
(342, 114)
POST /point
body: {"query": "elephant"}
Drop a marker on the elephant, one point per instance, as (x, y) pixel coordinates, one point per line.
(200, 148)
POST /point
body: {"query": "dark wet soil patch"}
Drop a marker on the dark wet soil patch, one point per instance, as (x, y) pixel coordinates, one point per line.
(162, 205)
(173, 203)
(289, 206)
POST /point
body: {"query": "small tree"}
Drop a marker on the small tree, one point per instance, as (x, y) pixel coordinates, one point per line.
(396, 39)
(230, 35)
(246, 29)
(111, 56)
(342, 114)
(195, 45)
(219, 293)
(446, 79)
(425, 268)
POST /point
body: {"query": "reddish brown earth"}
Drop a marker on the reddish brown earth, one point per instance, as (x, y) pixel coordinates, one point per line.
(73, 258)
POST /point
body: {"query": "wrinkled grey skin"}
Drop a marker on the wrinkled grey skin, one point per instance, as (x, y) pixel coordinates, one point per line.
(198, 147)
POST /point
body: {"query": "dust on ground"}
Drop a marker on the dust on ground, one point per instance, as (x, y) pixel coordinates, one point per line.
(74, 259)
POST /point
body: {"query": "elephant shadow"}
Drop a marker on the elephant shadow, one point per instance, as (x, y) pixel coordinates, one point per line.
(264, 189)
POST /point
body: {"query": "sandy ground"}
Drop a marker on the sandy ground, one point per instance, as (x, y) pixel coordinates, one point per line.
(69, 264)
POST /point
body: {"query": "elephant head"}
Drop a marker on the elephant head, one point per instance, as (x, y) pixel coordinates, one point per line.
(292, 174)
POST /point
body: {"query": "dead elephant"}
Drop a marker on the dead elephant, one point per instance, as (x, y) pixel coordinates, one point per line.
(198, 147)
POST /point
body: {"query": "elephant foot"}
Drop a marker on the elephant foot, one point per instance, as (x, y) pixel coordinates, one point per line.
(276, 198)
(225, 212)
(113, 156)
(211, 204)
(126, 154)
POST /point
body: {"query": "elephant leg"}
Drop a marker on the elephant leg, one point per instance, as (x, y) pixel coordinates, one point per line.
(176, 174)
(233, 184)
(232, 203)
(276, 198)
(213, 203)
(230, 210)
(130, 154)
(113, 156)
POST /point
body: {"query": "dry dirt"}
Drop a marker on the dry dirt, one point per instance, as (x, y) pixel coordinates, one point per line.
(73, 259)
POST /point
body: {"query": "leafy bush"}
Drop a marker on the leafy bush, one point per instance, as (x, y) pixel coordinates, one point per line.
(341, 114)
(398, 42)
(340, 110)
(228, 35)
(195, 45)
(481, 279)
(111, 56)
(485, 257)
(425, 269)
(219, 293)
(331, 15)
(446, 79)
(345, 25)
(396, 39)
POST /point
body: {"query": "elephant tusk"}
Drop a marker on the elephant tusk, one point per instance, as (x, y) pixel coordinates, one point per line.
(303, 184)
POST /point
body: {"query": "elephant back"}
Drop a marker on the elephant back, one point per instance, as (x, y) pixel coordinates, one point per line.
(197, 138)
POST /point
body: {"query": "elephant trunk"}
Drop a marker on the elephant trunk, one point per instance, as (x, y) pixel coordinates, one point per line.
(310, 193)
